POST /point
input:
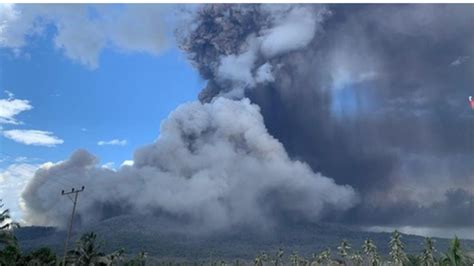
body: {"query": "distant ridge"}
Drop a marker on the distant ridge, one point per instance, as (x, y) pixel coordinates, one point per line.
(149, 234)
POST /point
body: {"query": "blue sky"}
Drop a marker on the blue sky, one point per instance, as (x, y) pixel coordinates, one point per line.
(125, 98)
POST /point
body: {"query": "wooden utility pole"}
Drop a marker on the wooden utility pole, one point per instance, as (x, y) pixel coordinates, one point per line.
(76, 193)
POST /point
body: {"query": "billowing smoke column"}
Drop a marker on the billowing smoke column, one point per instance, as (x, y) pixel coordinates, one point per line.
(371, 96)
(233, 45)
(214, 166)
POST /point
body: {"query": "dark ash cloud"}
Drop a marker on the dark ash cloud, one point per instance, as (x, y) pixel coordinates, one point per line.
(373, 101)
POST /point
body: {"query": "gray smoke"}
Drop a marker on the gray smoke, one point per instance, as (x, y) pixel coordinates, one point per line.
(377, 99)
(213, 166)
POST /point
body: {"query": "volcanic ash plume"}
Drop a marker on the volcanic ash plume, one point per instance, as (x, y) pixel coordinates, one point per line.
(214, 165)
(233, 46)
(373, 96)
(368, 95)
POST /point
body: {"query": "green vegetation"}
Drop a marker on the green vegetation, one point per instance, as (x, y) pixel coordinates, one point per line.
(454, 256)
(344, 250)
(7, 237)
(427, 258)
(88, 251)
(397, 252)
(371, 254)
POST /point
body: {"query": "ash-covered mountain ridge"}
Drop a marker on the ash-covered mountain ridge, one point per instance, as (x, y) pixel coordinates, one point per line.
(158, 239)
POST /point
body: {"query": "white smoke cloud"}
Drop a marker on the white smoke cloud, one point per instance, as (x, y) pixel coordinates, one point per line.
(264, 73)
(292, 32)
(84, 31)
(292, 28)
(213, 163)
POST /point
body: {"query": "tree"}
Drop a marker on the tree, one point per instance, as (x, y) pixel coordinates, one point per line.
(344, 249)
(427, 256)
(258, 260)
(279, 256)
(324, 257)
(413, 260)
(397, 249)
(454, 255)
(370, 250)
(10, 255)
(264, 256)
(294, 258)
(261, 259)
(41, 256)
(357, 259)
(7, 238)
(87, 252)
(138, 260)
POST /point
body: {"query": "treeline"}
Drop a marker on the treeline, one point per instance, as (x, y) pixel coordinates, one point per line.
(89, 251)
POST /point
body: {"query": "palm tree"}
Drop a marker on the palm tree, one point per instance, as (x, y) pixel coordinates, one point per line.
(7, 238)
(370, 250)
(344, 250)
(138, 260)
(258, 260)
(87, 251)
(324, 257)
(357, 259)
(279, 256)
(116, 257)
(397, 252)
(427, 257)
(264, 256)
(10, 254)
(454, 256)
(294, 258)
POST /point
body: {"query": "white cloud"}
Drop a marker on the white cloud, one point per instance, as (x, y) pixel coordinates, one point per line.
(17, 172)
(459, 61)
(11, 107)
(109, 165)
(116, 142)
(127, 163)
(12, 181)
(33, 137)
(446, 232)
(21, 159)
(83, 31)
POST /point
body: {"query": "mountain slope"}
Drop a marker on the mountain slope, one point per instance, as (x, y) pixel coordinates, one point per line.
(157, 238)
